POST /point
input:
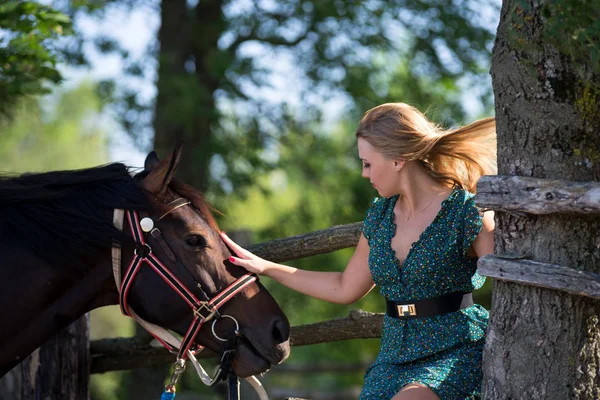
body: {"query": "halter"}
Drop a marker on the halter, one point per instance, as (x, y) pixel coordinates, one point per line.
(203, 310)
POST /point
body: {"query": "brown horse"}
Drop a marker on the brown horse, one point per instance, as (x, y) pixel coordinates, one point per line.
(56, 234)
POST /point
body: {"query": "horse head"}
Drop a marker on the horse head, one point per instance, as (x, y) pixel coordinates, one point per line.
(188, 244)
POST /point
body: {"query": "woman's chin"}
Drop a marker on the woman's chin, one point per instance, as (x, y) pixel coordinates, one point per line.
(247, 363)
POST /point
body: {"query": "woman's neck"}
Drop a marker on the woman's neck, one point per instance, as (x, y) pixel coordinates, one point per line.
(419, 190)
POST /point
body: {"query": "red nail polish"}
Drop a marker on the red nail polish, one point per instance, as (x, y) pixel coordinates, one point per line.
(231, 259)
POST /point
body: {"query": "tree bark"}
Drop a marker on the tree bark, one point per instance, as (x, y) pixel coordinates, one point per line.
(543, 343)
(58, 370)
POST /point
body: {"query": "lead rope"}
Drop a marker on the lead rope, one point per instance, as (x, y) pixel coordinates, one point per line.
(166, 337)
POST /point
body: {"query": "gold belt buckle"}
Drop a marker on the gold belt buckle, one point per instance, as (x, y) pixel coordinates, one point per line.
(407, 310)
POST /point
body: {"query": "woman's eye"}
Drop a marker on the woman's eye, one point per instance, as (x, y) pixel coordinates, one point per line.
(366, 165)
(196, 241)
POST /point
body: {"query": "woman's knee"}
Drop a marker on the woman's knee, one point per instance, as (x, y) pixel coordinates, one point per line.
(415, 391)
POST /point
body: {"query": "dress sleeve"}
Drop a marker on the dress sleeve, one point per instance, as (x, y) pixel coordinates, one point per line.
(371, 221)
(472, 224)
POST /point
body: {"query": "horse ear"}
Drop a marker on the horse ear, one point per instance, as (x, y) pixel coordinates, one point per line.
(161, 174)
(151, 161)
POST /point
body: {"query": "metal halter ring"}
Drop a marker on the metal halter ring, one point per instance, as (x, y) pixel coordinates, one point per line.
(237, 327)
(142, 250)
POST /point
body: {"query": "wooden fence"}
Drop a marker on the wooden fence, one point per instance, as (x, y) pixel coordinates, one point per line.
(522, 195)
(509, 194)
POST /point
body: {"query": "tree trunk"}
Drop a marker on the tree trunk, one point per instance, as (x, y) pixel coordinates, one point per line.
(188, 76)
(543, 343)
(58, 370)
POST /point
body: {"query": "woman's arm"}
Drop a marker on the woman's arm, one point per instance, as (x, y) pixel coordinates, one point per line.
(484, 242)
(336, 287)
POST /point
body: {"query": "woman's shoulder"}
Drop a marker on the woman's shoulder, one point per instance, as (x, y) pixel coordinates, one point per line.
(380, 206)
(464, 196)
(463, 199)
(461, 205)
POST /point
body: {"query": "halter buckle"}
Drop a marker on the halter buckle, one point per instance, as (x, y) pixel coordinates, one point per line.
(205, 307)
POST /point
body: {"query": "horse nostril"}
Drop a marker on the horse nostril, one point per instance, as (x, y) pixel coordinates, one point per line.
(281, 330)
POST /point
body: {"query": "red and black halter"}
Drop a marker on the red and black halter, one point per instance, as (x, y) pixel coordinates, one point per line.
(203, 310)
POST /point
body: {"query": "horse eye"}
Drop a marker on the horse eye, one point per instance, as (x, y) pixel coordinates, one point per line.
(196, 241)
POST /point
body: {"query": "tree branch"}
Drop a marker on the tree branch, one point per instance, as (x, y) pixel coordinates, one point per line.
(274, 40)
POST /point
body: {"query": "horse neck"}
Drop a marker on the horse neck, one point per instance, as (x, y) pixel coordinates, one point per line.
(44, 300)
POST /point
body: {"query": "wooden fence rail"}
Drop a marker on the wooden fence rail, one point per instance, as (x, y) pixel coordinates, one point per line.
(309, 244)
(534, 273)
(537, 196)
(123, 354)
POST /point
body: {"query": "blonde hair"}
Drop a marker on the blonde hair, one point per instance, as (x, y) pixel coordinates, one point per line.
(457, 157)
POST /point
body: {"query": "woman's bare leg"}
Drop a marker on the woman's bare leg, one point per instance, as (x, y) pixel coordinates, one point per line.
(415, 391)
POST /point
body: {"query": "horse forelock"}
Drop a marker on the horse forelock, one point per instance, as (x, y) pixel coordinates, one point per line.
(198, 200)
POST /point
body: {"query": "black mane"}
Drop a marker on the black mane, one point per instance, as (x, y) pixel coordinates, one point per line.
(65, 217)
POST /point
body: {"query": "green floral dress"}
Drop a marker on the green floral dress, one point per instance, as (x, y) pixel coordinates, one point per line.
(442, 352)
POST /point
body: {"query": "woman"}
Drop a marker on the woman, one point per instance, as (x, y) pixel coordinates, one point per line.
(420, 244)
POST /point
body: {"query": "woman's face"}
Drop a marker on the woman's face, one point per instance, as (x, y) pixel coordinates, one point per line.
(378, 169)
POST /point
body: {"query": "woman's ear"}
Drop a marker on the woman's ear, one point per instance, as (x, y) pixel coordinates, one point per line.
(398, 164)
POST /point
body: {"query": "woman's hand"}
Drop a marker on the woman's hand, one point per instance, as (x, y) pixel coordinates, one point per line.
(246, 259)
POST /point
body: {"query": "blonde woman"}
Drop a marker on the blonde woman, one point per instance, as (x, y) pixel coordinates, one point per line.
(420, 244)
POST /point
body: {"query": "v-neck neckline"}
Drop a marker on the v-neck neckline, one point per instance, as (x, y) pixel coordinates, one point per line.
(413, 245)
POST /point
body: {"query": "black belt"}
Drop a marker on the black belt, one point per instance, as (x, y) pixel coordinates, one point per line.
(429, 307)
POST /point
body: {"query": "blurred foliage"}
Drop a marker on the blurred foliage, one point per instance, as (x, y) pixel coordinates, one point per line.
(27, 57)
(64, 131)
(216, 62)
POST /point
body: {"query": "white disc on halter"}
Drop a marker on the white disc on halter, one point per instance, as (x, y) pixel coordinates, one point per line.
(147, 224)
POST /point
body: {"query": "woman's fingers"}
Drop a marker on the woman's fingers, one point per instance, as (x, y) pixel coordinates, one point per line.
(236, 261)
(244, 259)
(240, 251)
(247, 264)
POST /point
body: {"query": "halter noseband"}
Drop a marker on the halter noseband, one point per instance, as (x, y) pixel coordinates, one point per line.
(203, 310)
